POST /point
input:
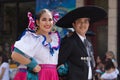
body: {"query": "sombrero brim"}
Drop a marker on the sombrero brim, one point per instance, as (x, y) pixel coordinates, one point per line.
(92, 12)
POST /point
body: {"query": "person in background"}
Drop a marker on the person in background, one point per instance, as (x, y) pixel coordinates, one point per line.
(4, 67)
(21, 73)
(99, 69)
(110, 55)
(76, 50)
(111, 72)
(38, 49)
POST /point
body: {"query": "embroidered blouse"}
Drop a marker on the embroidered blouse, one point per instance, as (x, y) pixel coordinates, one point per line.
(37, 47)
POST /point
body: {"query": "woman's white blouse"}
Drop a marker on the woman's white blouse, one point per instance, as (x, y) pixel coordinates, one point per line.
(37, 47)
(111, 75)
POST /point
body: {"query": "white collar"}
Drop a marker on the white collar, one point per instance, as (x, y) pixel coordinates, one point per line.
(81, 37)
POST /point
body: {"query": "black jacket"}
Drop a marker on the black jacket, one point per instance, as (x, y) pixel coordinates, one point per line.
(71, 51)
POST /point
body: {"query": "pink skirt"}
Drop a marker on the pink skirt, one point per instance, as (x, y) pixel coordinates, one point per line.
(21, 74)
(48, 72)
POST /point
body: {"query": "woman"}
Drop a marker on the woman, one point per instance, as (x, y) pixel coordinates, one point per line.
(111, 72)
(110, 55)
(38, 50)
(4, 67)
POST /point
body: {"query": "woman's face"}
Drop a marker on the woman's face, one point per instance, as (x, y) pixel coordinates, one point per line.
(81, 25)
(109, 55)
(45, 23)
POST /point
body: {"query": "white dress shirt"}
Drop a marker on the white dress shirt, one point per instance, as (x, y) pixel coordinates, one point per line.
(90, 69)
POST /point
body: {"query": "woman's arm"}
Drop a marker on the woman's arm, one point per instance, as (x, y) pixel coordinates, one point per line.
(24, 60)
(20, 58)
(2, 73)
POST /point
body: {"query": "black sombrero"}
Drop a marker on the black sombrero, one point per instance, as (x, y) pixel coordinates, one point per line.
(92, 12)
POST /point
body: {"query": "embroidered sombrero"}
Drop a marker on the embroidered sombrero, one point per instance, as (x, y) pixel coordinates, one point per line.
(93, 12)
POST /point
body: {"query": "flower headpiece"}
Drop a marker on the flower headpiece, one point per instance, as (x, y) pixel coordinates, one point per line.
(56, 16)
(31, 25)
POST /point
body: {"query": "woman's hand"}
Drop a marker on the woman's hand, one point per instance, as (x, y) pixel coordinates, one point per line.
(37, 68)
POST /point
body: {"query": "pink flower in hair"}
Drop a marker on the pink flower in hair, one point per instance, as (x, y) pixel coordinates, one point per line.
(56, 16)
(31, 25)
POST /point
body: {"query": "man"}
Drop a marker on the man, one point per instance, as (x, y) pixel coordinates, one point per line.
(77, 53)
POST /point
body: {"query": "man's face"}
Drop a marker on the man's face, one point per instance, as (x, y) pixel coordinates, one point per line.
(81, 26)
